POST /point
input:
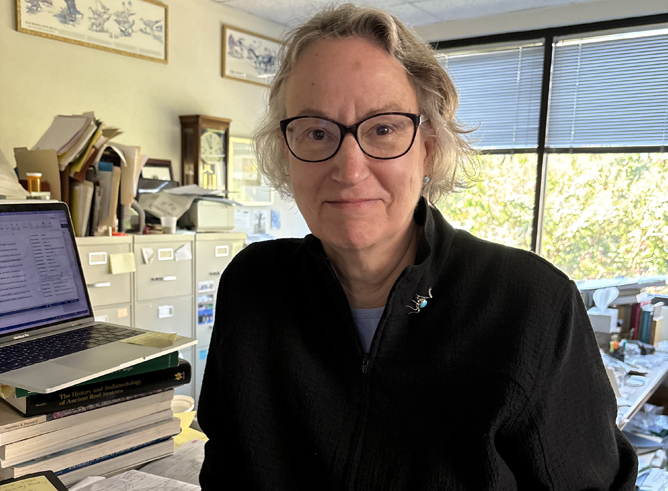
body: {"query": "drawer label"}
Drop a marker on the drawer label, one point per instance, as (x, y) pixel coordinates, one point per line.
(165, 311)
(95, 258)
(165, 254)
(222, 251)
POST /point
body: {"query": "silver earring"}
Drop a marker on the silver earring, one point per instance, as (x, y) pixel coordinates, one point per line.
(426, 179)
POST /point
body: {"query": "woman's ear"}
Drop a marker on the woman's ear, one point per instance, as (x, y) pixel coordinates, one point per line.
(284, 146)
(429, 146)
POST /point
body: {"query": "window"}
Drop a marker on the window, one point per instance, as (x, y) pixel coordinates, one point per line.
(606, 214)
(575, 164)
(609, 90)
(500, 206)
(499, 91)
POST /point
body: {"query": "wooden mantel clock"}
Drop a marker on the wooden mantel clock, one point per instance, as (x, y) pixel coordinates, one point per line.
(204, 151)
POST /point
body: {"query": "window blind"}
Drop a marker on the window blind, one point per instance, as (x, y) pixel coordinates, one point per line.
(499, 93)
(609, 91)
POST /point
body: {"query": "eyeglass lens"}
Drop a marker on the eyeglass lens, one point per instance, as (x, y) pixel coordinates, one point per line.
(384, 136)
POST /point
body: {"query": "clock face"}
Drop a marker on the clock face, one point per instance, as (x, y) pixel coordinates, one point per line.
(212, 154)
(212, 145)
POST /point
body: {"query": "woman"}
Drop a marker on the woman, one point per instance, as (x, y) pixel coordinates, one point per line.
(388, 351)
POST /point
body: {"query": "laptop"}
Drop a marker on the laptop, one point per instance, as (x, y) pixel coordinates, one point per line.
(49, 338)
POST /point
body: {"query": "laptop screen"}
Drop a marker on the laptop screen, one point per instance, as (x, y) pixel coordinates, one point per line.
(40, 278)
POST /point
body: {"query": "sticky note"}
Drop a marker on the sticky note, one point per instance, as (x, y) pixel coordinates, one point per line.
(6, 391)
(184, 253)
(153, 339)
(187, 435)
(123, 262)
(147, 254)
(122, 312)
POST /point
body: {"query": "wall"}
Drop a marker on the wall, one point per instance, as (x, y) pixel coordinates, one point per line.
(40, 78)
(580, 13)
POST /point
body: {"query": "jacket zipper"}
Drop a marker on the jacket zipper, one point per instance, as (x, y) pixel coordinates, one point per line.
(357, 431)
(359, 424)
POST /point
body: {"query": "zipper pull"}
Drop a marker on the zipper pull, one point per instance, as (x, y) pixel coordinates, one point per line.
(365, 363)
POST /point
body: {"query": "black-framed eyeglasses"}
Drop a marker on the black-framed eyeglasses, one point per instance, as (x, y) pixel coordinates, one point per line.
(383, 136)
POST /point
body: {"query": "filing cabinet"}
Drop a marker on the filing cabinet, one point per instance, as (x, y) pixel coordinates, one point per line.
(164, 266)
(168, 314)
(164, 289)
(213, 252)
(110, 291)
(173, 288)
(121, 315)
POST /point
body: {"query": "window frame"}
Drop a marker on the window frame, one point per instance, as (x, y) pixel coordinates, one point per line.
(549, 35)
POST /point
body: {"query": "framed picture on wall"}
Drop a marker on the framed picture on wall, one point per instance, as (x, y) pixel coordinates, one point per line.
(249, 57)
(245, 183)
(158, 169)
(136, 28)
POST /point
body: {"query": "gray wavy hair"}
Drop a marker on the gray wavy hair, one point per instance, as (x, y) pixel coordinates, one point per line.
(436, 94)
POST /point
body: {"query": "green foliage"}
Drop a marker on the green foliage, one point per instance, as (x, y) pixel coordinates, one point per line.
(606, 215)
(499, 206)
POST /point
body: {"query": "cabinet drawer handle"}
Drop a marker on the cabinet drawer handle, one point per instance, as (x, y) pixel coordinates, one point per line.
(98, 285)
(215, 273)
(164, 278)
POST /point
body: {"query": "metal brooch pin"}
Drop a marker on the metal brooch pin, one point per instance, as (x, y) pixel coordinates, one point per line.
(420, 303)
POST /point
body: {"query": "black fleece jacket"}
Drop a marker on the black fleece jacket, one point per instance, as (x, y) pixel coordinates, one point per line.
(496, 384)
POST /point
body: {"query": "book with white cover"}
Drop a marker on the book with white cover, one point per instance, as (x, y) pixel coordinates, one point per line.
(119, 463)
(14, 427)
(94, 450)
(18, 452)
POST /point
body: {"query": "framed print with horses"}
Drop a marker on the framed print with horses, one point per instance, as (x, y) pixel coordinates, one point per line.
(249, 57)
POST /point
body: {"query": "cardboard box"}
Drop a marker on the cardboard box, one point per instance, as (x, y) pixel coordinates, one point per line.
(604, 322)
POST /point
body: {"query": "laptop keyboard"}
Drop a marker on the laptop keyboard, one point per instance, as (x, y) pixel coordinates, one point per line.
(39, 350)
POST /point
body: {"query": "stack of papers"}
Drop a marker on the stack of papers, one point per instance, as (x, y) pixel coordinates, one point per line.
(68, 136)
(78, 141)
(102, 174)
(134, 481)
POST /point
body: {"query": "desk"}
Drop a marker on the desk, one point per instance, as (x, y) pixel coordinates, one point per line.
(635, 397)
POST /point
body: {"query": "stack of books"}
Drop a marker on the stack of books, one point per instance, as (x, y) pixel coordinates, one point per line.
(97, 428)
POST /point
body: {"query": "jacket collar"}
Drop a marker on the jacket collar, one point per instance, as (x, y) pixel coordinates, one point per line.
(431, 256)
(432, 252)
